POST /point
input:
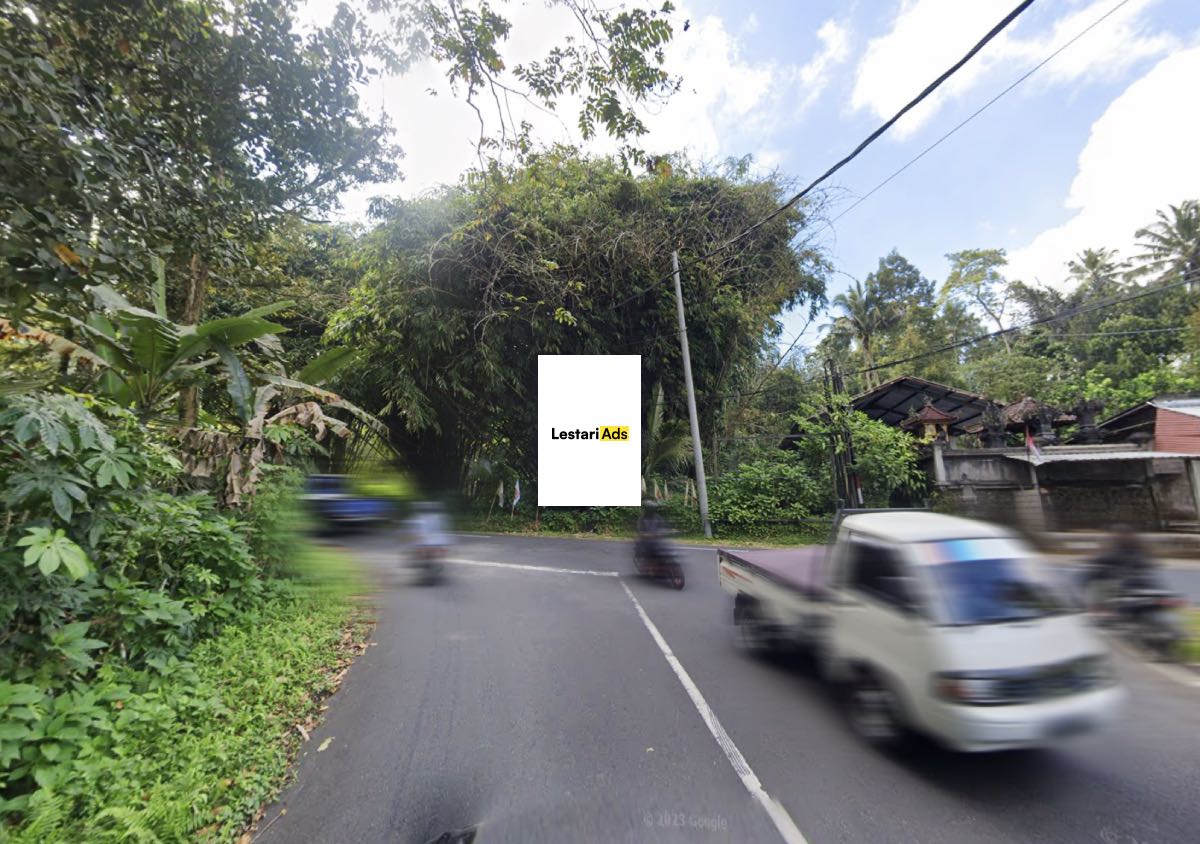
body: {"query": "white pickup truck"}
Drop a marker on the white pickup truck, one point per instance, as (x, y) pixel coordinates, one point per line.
(932, 623)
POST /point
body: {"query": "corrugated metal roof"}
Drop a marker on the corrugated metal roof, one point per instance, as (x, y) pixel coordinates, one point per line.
(1096, 457)
(1189, 406)
(892, 401)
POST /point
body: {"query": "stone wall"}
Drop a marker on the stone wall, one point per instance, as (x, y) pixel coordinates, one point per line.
(1017, 508)
(1151, 495)
(1097, 507)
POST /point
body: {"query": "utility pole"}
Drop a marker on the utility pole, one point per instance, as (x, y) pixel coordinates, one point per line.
(846, 486)
(701, 487)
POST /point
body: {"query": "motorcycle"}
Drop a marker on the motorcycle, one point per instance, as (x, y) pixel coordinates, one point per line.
(1150, 617)
(658, 563)
(429, 561)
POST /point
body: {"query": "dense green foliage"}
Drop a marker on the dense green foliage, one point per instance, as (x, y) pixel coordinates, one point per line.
(159, 165)
(186, 750)
(188, 129)
(169, 128)
(114, 569)
(764, 494)
(1113, 330)
(462, 290)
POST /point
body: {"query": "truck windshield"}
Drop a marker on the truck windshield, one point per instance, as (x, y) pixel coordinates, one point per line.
(979, 588)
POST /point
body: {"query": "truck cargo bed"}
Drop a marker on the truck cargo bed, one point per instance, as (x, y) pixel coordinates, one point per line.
(802, 568)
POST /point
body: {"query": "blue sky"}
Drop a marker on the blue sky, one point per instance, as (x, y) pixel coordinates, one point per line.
(1079, 155)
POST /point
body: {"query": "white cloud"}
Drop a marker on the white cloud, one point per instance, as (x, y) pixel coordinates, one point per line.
(721, 89)
(928, 36)
(1139, 157)
(835, 47)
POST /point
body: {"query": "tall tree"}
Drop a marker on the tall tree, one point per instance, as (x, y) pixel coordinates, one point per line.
(173, 128)
(1098, 270)
(185, 129)
(865, 315)
(976, 281)
(462, 290)
(897, 280)
(1172, 242)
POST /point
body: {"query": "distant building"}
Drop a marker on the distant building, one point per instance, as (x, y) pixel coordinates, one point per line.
(1009, 464)
(1162, 424)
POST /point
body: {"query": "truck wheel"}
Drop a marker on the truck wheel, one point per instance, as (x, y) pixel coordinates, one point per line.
(752, 633)
(872, 710)
(821, 662)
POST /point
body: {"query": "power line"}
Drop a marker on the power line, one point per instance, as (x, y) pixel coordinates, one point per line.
(866, 142)
(1124, 333)
(913, 103)
(1065, 314)
(974, 114)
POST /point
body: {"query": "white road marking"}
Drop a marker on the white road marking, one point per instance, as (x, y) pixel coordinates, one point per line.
(546, 569)
(779, 816)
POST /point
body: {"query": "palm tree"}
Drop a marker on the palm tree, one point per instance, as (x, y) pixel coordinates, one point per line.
(1098, 270)
(1172, 243)
(864, 317)
(668, 442)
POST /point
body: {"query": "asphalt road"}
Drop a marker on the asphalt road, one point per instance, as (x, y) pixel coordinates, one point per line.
(538, 707)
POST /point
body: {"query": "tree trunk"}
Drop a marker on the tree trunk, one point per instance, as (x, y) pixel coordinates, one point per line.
(869, 360)
(193, 310)
(715, 456)
(999, 327)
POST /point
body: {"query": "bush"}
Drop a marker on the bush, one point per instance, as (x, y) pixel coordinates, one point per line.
(105, 552)
(766, 492)
(684, 518)
(188, 751)
(589, 519)
(274, 517)
(886, 457)
(112, 575)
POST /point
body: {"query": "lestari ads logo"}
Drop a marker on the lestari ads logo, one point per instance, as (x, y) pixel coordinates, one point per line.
(611, 433)
(589, 430)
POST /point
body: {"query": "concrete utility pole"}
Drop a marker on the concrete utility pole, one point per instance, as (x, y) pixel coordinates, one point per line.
(701, 487)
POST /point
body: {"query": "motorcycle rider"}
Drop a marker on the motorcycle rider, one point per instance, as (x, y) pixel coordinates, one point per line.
(427, 527)
(427, 533)
(651, 531)
(1123, 566)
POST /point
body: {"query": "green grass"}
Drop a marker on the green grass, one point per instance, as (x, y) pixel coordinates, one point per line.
(762, 538)
(1191, 648)
(198, 755)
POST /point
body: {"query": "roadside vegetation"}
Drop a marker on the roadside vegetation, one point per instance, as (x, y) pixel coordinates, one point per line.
(1191, 648)
(191, 751)
(167, 378)
(182, 338)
